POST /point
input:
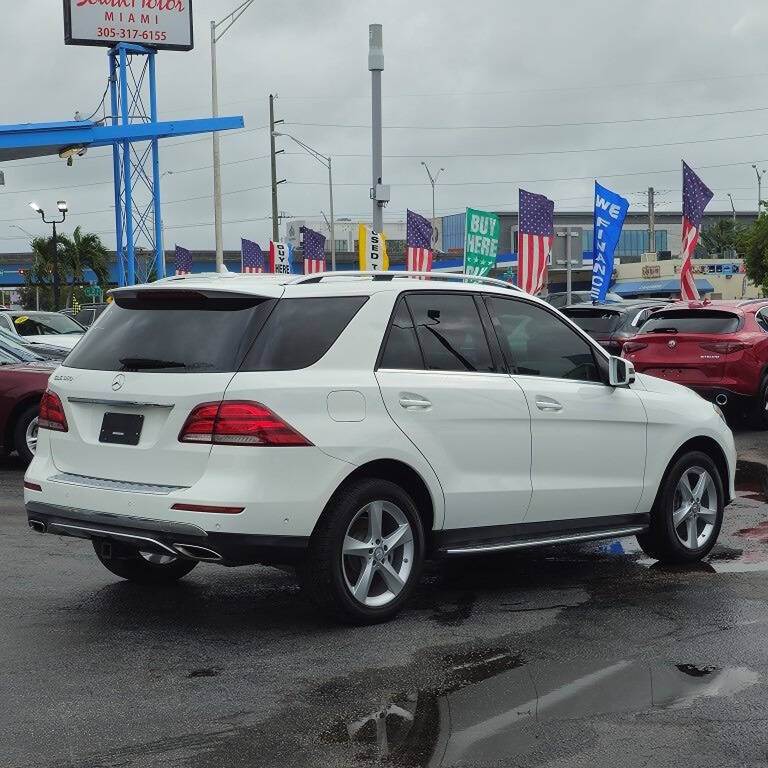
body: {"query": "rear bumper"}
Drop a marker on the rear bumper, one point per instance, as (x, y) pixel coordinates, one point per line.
(726, 398)
(166, 536)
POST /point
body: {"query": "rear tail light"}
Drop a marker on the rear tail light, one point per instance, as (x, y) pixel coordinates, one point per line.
(633, 346)
(51, 414)
(233, 422)
(723, 347)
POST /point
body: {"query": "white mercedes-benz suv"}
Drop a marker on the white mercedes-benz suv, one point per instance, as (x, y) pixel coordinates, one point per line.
(353, 425)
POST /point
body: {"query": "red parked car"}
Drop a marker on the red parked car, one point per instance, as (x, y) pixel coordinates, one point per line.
(719, 349)
(21, 387)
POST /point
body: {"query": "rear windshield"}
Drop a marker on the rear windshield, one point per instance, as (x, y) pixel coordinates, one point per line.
(173, 332)
(691, 321)
(595, 319)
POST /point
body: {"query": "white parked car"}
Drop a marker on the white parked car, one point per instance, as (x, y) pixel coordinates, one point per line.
(354, 425)
(52, 329)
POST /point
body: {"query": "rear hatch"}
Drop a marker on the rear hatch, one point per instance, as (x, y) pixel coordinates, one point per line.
(129, 386)
(688, 346)
(599, 322)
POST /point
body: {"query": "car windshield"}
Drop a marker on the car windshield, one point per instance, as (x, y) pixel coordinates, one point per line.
(42, 323)
(691, 321)
(595, 320)
(10, 344)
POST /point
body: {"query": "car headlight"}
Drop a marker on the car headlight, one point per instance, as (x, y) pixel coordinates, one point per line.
(719, 412)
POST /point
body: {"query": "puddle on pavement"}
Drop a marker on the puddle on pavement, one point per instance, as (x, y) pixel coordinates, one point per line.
(494, 706)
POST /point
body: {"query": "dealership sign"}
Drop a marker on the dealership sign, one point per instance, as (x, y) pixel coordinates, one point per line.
(162, 24)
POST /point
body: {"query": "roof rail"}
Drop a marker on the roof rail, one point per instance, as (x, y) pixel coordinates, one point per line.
(461, 277)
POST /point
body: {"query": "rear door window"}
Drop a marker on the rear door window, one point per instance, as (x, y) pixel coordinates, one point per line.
(173, 331)
(401, 347)
(300, 331)
(450, 332)
(691, 321)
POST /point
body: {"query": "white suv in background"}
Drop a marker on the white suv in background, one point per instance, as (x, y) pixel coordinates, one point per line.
(353, 425)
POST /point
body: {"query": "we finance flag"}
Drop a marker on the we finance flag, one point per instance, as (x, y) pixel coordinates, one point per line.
(372, 247)
(536, 230)
(253, 260)
(314, 251)
(280, 258)
(183, 261)
(610, 210)
(418, 239)
(696, 197)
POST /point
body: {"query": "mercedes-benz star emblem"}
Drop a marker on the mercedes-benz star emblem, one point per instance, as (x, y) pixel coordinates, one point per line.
(671, 343)
(117, 382)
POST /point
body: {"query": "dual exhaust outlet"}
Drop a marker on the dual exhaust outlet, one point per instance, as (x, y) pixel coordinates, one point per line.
(721, 399)
(190, 551)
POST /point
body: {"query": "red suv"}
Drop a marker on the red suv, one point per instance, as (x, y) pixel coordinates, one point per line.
(720, 349)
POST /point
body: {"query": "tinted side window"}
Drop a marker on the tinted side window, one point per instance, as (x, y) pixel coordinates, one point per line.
(300, 331)
(536, 343)
(762, 319)
(450, 332)
(401, 349)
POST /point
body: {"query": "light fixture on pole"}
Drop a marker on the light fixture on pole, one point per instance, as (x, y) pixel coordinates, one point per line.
(326, 161)
(433, 182)
(63, 209)
(162, 227)
(733, 208)
(759, 175)
(216, 34)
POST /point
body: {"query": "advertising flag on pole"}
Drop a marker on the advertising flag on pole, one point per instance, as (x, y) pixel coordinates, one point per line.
(536, 230)
(696, 196)
(252, 258)
(418, 241)
(314, 251)
(372, 247)
(280, 258)
(183, 261)
(610, 210)
(481, 242)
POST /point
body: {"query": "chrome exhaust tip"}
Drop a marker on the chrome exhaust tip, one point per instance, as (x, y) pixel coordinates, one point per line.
(37, 525)
(721, 399)
(194, 552)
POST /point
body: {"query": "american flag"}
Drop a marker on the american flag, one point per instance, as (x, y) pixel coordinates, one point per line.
(534, 240)
(183, 261)
(418, 240)
(696, 196)
(252, 257)
(314, 254)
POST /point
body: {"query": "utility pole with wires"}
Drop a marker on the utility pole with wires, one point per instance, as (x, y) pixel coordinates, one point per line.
(218, 30)
(651, 221)
(273, 159)
(733, 207)
(760, 175)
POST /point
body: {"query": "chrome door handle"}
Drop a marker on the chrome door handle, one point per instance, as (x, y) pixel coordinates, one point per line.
(412, 402)
(548, 404)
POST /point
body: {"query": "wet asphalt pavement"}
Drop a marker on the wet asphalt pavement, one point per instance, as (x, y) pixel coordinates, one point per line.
(586, 656)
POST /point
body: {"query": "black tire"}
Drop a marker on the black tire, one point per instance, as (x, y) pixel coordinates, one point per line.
(26, 417)
(661, 541)
(761, 406)
(322, 575)
(127, 563)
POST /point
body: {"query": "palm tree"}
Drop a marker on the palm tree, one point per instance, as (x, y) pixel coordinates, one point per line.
(80, 252)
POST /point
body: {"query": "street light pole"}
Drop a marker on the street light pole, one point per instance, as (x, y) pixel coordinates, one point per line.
(759, 175)
(733, 207)
(63, 208)
(225, 23)
(326, 161)
(433, 182)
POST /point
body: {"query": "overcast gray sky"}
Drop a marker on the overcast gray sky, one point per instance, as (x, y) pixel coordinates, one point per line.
(453, 70)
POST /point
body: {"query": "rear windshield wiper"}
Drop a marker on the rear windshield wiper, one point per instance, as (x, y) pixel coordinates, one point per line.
(149, 362)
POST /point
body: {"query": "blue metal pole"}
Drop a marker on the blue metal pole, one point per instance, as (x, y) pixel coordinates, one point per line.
(159, 255)
(127, 181)
(116, 172)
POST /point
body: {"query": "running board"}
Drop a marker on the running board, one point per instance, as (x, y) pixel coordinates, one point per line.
(501, 546)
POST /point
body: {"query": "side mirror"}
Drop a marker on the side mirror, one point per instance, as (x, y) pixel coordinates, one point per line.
(620, 372)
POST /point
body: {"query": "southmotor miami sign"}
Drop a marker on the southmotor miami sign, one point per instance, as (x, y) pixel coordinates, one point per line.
(161, 24)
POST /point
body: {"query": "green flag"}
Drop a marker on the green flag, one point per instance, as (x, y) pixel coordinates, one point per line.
(481, 242)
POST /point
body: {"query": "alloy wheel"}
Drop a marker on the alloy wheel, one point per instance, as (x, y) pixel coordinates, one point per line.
(695, 507)
(377, 553)
(30, 436)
